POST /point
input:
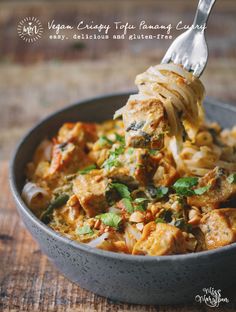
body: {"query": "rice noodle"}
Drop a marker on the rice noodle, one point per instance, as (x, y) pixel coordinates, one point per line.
(98, 241)
(31, 191)
(132, 234)
(180, 92)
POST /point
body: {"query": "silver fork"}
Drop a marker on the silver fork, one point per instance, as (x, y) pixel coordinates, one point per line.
(190, 48)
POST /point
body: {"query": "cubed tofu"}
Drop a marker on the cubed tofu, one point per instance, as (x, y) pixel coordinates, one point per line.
(219, 227)
(135, 165)
(140, 164)
(90, 190)
(160, 239)
(145, 122)
(68, 158)
(79, 133)
(220, 191)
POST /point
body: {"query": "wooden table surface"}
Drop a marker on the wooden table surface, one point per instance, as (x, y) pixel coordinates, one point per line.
(37, 79)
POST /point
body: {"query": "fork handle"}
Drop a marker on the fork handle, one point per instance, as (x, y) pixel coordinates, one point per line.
(202, 14)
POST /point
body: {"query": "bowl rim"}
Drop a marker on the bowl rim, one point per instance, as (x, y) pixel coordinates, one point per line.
(82, 246)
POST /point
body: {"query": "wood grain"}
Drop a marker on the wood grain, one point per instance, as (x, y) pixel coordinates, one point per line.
(30, 283)
(37, 79)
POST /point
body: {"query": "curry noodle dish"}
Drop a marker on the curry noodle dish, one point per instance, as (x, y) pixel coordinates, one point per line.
(156, 180)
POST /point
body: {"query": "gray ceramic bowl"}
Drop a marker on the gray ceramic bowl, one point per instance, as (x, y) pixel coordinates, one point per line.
(126, 278)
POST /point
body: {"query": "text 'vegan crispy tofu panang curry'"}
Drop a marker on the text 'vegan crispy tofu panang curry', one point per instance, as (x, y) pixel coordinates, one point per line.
(158, 181)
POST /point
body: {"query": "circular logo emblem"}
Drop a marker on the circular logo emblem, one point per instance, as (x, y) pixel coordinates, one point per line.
(30, 29)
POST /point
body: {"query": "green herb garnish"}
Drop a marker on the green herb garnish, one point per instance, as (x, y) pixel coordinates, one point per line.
(112, 160)
(122, 189)
(120, 138)
(201, 190)
(140, 207)
(184, 191)
(160, 220)
(232, 178)
(184, 186)
(182, 225)
(128, 205)
(157, 192)
(103, 140)
(110, 219)
(187, 182)
(152, 152)
(57, 203)
(84, 230)
(87, 169)
(130, 150)
(161, 191)
(140, 200)
(140, 203)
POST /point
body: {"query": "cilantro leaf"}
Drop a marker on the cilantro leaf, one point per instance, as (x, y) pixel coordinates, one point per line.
(152, 152)
(103, 140)
(130, 150)
(120, 138)
(84, 230)
(110, 219)
(187, 182)
(160, 220)
(201, 190)
(112, 160)
(232, 178)
(184, 191)
(140, 200)
(140, 207)
(140, 203)
(161, 191)
(182, 225)
(87, 169)
(157, 192)
(122, 189)
(128, 205)
(183, 186)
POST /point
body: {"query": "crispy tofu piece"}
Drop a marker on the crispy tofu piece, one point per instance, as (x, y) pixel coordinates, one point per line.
(219, 227)
(136, 165)
(145, 122)
(160, 239)
(220, 191)
(140, 165)
(67, 157)
(79, 132)
(90, 191)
